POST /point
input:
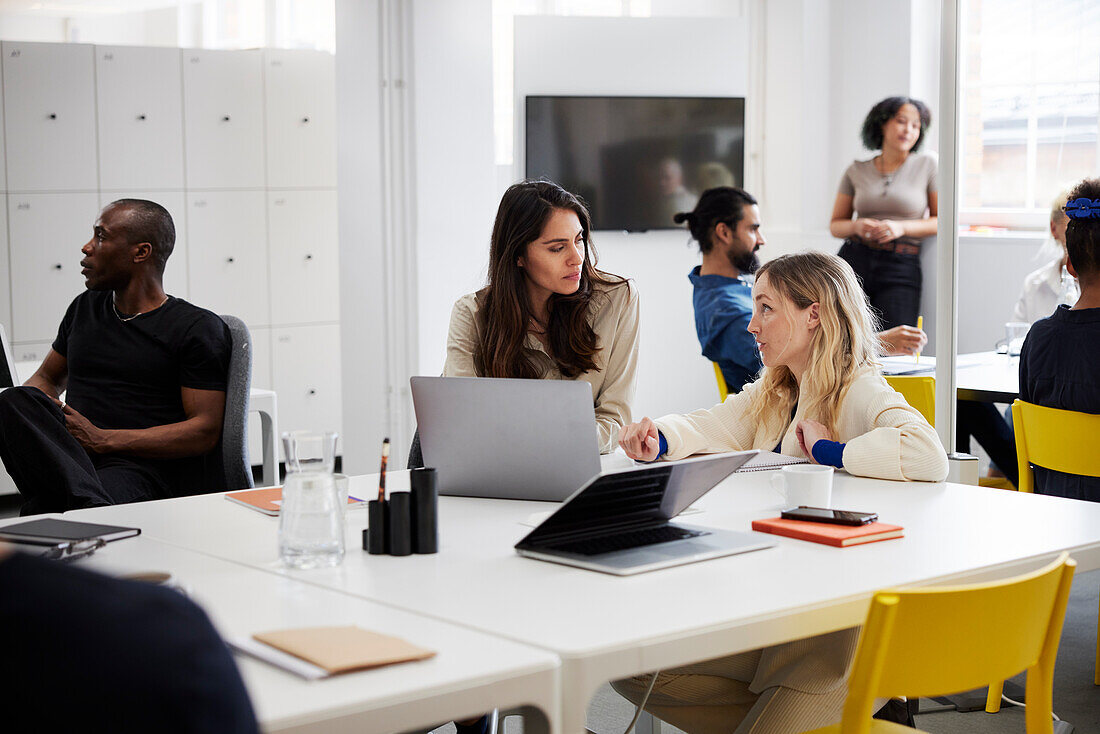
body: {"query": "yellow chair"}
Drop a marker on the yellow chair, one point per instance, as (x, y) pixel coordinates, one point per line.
(723, 391)
(919, 391)
(1062, 440)
(935, 641)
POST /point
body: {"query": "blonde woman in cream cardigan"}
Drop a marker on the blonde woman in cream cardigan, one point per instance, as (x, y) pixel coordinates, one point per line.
(820, 395)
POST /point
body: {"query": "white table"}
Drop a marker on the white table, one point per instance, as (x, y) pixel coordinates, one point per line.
(986, 377)
(472, 672)
(605, 627)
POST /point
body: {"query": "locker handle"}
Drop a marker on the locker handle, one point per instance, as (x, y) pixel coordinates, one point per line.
(312, 391)
(229, 259)
(309, 257)
(225, 118)
(141, 117)
(52, 116)
(305, 119)
(57, 266)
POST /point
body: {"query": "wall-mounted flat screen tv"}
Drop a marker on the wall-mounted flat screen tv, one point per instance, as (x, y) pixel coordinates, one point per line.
(636, 161)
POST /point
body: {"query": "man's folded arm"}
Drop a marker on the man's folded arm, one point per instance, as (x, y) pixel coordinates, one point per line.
(196, 435)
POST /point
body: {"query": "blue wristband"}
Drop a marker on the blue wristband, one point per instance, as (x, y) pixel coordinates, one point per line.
(828, 453)
(662, 447)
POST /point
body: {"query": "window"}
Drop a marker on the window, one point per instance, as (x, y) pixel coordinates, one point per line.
(1031, 106)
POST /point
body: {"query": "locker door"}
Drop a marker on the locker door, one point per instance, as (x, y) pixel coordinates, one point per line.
(223, 119)
(300, 95)
(227, 248)
(50, 125)
(47, 232)
(140, 118)
(304, 269)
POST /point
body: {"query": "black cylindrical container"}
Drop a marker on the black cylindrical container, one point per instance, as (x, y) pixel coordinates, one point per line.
(377, 536)
(399, 523)
(425, 501)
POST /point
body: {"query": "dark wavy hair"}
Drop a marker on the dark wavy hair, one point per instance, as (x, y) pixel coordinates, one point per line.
(722, 204)
(880, 114)
(504, 310)
(1083, 235)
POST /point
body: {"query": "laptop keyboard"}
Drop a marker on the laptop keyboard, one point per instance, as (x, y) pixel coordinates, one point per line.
(627, 540)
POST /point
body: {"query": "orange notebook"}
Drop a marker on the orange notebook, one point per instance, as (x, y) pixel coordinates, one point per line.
(827, 533)
(269, 499)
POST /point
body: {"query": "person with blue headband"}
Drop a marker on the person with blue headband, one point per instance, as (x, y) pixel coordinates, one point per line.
(1058, 362)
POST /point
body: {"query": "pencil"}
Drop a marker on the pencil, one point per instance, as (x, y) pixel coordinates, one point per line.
(382, 471)
(920, 327)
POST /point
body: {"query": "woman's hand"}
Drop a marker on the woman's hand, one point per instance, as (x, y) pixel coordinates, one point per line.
(810, 432)
(903, 340)
(866, 228)
(639, 440)
(887, 231)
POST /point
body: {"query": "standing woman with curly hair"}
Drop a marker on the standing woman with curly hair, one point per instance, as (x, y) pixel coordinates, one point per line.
(886, 205)
(547, 312)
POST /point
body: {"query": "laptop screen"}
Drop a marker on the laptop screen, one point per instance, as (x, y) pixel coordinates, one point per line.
(638, 498)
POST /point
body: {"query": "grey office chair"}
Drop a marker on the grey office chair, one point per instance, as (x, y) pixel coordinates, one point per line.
(233, 447)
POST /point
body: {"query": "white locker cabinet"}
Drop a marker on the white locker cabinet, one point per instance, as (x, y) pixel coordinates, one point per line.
(32, 352)
(176, 271)
(305, 362)
(301, 118)
(227, 249)
(303, 257)
(50, 122)
(140, 112)
(223, 119)
(47, 233)
(5, 274)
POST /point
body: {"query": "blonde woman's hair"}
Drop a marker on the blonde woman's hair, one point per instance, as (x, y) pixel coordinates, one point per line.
(843, 344)
(1056, 212)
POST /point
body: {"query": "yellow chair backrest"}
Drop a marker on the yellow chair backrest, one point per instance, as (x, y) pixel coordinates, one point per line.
(1062, 440)
(919, 391)
(941, 640)
(723, 391)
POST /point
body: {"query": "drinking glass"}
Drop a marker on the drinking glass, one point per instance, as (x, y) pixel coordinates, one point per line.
(311, 520)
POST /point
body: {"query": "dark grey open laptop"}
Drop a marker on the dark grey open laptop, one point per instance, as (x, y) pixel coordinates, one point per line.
(619, 523)
(507, 439)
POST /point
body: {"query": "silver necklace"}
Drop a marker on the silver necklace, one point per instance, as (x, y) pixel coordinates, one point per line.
(887, 178)
(124, 319)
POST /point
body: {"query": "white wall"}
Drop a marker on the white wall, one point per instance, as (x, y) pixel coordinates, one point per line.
(359, 179)
(456, 189)
(643, 56)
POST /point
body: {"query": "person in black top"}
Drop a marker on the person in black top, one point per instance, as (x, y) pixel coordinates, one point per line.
(144, 375)
(89, 653)
(1058, 362)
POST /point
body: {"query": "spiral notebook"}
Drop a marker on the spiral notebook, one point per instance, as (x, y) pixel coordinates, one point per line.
(767, 460)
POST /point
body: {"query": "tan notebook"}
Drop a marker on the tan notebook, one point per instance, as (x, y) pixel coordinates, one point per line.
(343, 649)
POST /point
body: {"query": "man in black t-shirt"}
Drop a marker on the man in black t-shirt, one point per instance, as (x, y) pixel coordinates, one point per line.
(144, 376)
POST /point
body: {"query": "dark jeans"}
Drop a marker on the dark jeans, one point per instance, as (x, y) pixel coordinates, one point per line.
(54, 473)
(984, 422)
(891, 281)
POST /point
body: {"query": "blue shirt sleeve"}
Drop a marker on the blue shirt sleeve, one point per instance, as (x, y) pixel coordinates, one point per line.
(662, 449)
(828, 453)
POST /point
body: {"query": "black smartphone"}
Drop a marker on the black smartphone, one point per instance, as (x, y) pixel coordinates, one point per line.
(836, 517)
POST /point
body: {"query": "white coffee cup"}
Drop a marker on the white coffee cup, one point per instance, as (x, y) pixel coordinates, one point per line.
(805, 484)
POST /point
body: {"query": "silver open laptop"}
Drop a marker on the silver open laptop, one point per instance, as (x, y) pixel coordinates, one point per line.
(8, 377)
(619, 523)
(507, 439)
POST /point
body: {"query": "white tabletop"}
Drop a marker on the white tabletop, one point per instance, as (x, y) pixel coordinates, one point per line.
(472, 672)
(986, 377)
(604, 627)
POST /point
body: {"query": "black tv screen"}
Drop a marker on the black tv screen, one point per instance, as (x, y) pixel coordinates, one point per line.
(636, 161)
